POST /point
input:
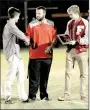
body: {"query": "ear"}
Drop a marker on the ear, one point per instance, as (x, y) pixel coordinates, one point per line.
(45, 13)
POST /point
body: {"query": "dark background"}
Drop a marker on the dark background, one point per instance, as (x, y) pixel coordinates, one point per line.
(60, 22)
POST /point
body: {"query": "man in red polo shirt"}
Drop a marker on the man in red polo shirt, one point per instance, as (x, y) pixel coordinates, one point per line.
(42, 35)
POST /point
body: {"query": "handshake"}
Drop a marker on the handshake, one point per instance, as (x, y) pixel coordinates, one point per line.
(27, 42)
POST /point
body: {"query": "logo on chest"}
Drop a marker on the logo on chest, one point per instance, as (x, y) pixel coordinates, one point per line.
(79, 29)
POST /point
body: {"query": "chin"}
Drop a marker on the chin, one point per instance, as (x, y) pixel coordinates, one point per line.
(16, 21)
(38, 18)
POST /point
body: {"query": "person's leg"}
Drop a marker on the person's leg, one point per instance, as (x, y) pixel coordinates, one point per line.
(44, 75)
(68, 71)
(82, 63)
(34, 77)
(12, 69)
(20, 78)
(1, 92)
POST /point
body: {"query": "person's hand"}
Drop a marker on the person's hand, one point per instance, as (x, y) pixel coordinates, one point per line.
(72, 42)
(48, 49)
(27, 42)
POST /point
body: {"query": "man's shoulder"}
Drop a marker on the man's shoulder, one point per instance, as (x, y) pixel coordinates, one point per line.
(11, 25)
(84, 20)
(34, 21)
(70, 21)
(6, 26)
(50, 22)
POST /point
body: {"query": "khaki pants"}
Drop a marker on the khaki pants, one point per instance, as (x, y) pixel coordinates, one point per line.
(15, 69)
(81, 60)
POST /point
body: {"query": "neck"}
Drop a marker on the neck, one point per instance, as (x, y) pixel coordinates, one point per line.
(42, 19)
(78, 17)
(12, 20)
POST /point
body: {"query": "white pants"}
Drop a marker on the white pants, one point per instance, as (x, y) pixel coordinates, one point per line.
(1, 91)
(15, 68)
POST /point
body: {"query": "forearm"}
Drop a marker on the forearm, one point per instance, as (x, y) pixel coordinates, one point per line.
(83, 41)
(14, 30)
(53, 43)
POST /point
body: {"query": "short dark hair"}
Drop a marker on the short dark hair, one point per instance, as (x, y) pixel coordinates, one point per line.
(41, 7)
(12, 11)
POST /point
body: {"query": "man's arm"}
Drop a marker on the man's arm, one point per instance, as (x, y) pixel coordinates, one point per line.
(14, 30)
(84, 40)
(54, 38)
(48, 49)
(28, 32)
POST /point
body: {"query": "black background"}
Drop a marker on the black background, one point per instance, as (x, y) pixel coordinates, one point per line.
(60, 23)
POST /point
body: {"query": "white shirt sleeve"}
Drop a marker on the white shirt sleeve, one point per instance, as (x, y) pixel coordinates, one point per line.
(84, 39)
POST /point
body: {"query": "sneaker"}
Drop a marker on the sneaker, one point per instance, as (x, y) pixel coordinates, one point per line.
(8, 100)
(46, 98)
(84, 98)
(32, 97)
(25, 101)
(66, 97)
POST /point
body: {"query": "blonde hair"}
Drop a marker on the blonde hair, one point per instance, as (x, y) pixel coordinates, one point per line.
(74, 9)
